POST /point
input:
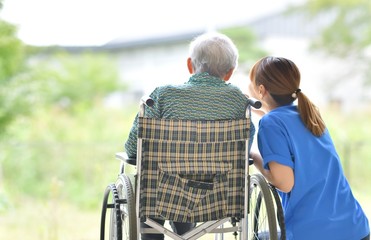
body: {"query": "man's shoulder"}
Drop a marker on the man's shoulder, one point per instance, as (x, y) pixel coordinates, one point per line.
(170, 89)
(200, 86)
(200, 91)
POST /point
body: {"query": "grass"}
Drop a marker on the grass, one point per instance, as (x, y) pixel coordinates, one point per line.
(49, 220)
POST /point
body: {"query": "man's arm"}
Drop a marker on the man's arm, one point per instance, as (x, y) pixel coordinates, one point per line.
(131, 143)
(150, 112)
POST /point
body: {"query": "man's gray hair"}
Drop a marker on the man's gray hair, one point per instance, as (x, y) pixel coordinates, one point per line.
(214, 53)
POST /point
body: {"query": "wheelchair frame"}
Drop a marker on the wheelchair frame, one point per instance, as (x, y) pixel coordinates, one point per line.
(262, 205)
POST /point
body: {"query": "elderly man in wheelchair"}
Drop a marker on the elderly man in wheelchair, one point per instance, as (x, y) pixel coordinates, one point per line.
(189, 146)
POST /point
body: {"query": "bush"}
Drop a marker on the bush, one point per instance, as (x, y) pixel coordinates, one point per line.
(70, 158)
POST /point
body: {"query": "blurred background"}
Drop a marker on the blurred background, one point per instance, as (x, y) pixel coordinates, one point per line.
(72, 73)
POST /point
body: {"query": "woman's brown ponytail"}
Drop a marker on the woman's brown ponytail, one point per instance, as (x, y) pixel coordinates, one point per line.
(310, 115)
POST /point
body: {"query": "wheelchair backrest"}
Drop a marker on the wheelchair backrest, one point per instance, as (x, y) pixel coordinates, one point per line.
(192, 170)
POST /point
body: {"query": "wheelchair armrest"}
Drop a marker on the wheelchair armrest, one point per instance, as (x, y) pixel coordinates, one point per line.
(122, 156)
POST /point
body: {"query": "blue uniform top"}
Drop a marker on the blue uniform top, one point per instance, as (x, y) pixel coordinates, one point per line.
(321, 204)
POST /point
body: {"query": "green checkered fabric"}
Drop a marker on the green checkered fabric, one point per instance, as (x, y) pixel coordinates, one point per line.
(192, 171)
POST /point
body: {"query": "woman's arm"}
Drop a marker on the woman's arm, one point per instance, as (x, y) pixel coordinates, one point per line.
(281, 176)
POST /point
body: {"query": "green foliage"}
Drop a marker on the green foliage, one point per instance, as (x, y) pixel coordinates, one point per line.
(76, 82)
(352, 137)
(319, 5)
(13, 91)
(11, 52)
(17, 98)
(350, 30)
(347, 34)
(68, 137)
(72, 82)
(64, 156)
(58, 133)
(247, 44)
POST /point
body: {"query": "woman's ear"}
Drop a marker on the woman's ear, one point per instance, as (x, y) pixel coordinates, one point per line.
(261, 91)
(190, 66)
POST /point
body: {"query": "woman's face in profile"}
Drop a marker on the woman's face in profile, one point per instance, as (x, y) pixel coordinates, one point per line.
(252, 90)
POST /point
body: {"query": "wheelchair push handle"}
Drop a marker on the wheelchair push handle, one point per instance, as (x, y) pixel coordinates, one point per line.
(147, 101)
(254, 103)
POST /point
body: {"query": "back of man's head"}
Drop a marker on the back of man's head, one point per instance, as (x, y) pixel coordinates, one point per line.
(214, 53)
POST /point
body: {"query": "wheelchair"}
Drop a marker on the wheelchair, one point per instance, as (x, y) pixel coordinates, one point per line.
(191, 171)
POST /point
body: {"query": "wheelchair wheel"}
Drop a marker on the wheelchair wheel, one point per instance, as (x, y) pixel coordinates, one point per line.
(114, 210)
(127, 210)
(122, 224)
(281, 228)
(262, 221)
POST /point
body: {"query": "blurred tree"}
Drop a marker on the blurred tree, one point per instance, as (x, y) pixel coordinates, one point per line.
(348, 34)
(13, 93)
(76, 82)
(247, 44)
(69, 118)
(350, 30)
(36, 83)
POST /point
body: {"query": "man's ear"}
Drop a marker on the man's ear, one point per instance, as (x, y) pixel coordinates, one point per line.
(228, 75)
(190, 66)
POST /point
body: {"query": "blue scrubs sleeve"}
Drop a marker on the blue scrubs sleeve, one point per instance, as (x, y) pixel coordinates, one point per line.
(274, 146)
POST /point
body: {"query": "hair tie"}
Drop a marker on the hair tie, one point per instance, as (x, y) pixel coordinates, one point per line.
(295, 94)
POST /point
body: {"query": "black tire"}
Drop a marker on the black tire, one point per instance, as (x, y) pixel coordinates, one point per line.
(128, 221)
(262, 221)
(281, 228)
(114, 211)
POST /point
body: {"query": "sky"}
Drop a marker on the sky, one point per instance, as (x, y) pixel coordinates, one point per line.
(96, 22)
